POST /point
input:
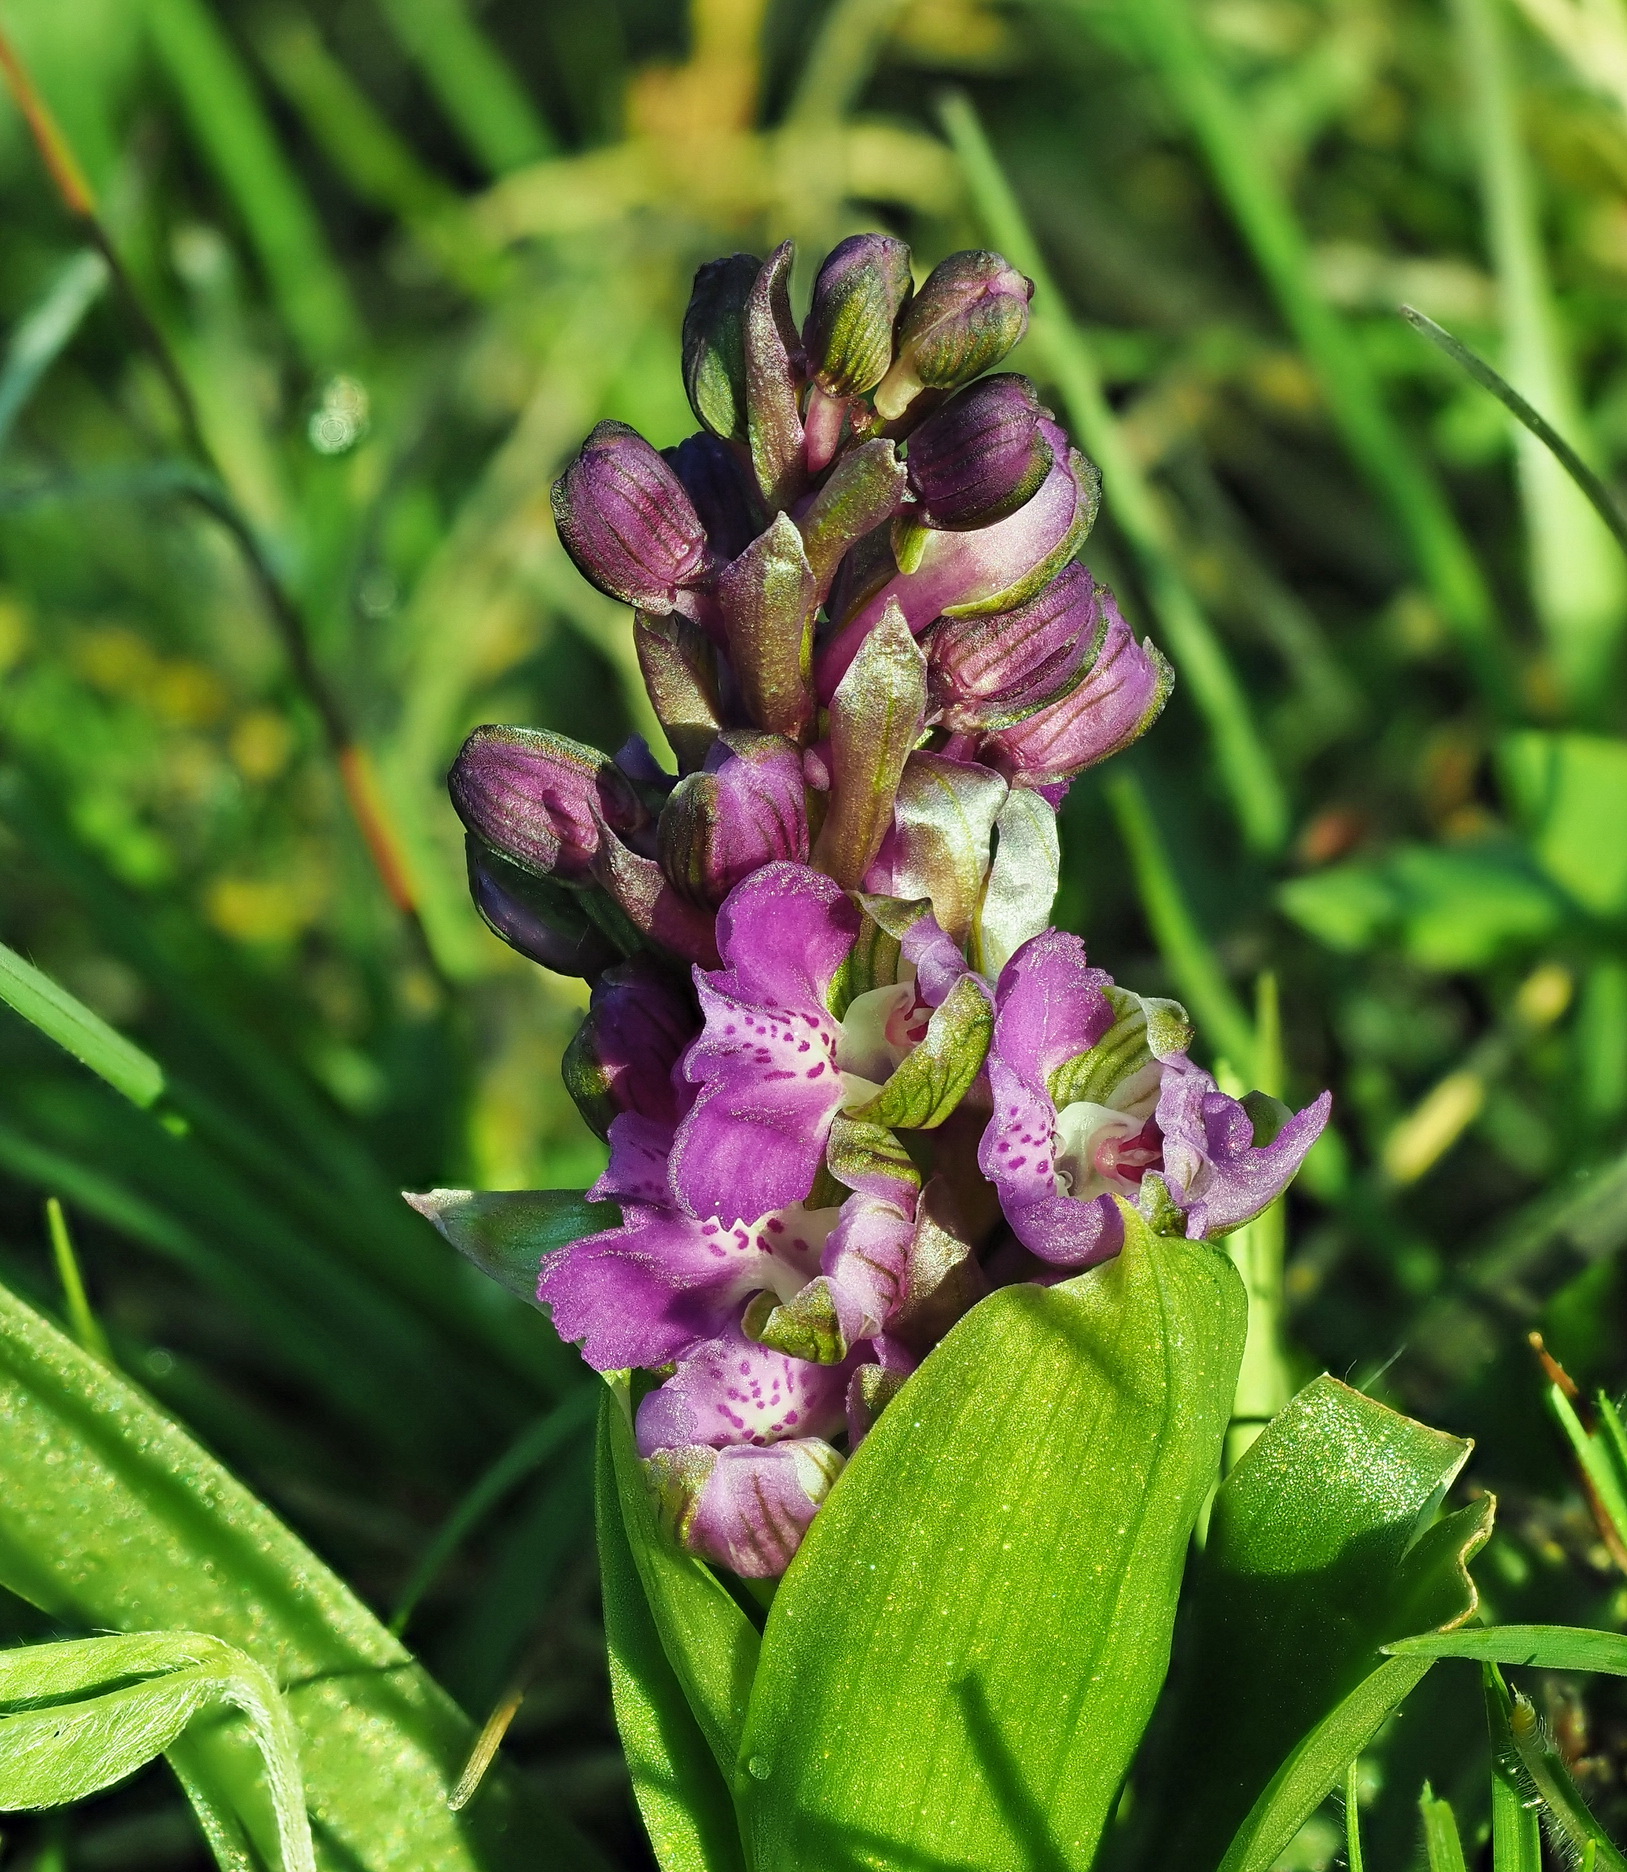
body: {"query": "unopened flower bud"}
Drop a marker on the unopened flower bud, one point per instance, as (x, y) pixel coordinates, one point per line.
(715, 344)
(745, 810)
(622, 1058)
(544, 921)
(992, 671)
(983, 455)
(627, 522)
(970, 313)
(861, 289)
(744, 1508)
(717, 481)
(537, 798)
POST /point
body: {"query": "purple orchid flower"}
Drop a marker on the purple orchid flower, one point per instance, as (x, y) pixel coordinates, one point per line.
(1084, 1076)
(745, 1507)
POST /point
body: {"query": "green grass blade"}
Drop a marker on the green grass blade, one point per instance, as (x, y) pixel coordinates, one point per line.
(1251, 779)
(1220, 122)
(1441, 1840)
(238, 140)
(1199, 978)
(1353, 1851)
(1516, 1832)
(529, 1451)
(112, 1518)
(1603, 501)
(87, 1329)
(1316, 1764)
(850, 40)
(1577, 577)
(483, 100)
(1550, 1647)
(1597, 1459)
(39, 338)
(64, 1018)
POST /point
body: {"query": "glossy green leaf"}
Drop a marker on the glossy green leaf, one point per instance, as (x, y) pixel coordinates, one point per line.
(709, 1642)
(72, 1721)
(1313, 1562)
(63, 1018)
(960, 1661)
(677, 1783)
(112, 1518)
(1547, 1647)
(1516, 1832)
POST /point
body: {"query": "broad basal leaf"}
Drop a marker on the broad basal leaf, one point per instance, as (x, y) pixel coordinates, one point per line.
(679, 1787)
(111, 1517)
(959, 1663)
(1314, 1561)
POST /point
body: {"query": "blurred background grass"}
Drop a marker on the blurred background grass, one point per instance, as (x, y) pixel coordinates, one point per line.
(405, 253)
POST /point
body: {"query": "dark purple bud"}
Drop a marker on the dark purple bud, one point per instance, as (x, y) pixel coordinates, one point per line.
(1124, 689)
(544, 921)
(537, 798)
(970, 313)
(773, 380)
(638, 1025)
(720, 485)
(679, 666)
(991, 671)
(748, 808)
(861, 289)
(662, 916)
(715, 344)
(627, 523)
(983, 455)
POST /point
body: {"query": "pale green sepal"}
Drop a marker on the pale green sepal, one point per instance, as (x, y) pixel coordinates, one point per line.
(863, 491)
(861, 1153)
(1145, 1030)
(876, 717)
(927, 1085)
(506, 1233)
(768, 600)
(960, 1661)
(943, 821)
(805, 1326)
(1022, 881)
(872, 962)
(709, 1642)
(681, 1794)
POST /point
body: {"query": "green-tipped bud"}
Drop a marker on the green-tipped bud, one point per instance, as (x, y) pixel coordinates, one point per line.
(715, 344)
(970, 313)
(861, 289)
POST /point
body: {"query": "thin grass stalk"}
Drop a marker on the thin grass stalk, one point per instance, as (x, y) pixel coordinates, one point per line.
(1578, 581)
(1247, 771)
(1198, 976)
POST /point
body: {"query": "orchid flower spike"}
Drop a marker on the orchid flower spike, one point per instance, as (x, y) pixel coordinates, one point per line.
(849, 1075)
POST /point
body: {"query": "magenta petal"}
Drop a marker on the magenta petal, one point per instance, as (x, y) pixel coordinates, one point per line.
(1051, 1007)
(732, 1390)
(625, 1054)
(769, 1088)
(640, 1147)
(1210, 1161)
(747, 1509)
(663, 1283)
(783, 933)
